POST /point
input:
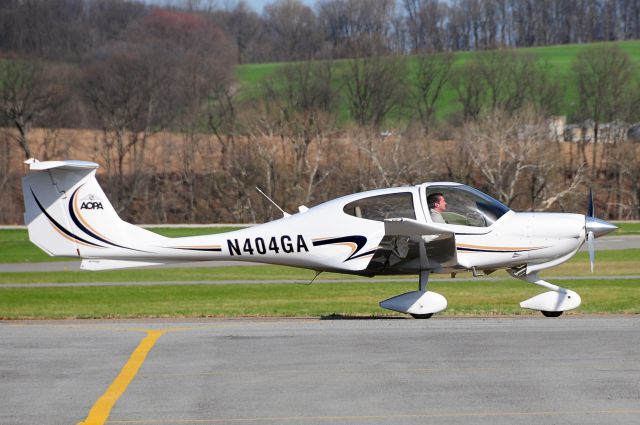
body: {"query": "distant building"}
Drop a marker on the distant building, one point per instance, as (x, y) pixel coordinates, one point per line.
(633, 133)
(585, 132)
(557, 126)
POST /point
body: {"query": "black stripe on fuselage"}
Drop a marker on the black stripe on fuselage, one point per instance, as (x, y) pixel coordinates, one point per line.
(495, 251)
(87, 231)
(360, 242)
(199, 249)
(58, 225)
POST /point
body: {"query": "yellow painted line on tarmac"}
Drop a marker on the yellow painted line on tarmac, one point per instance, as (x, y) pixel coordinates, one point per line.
(102, 408)
(300, 419)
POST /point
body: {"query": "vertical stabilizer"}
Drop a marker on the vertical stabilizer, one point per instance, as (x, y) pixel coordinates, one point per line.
(68, 214)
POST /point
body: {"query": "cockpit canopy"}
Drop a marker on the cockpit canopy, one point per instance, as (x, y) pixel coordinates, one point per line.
(381, 207)
(467, 206)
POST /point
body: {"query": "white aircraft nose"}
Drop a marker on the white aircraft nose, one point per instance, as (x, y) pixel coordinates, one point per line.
(598, 227)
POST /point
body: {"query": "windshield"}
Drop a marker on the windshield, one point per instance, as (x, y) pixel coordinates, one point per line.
(463, 205)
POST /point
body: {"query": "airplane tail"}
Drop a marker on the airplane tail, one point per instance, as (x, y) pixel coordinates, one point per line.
(68, 214)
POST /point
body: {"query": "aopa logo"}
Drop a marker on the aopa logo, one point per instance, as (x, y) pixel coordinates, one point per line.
(91, 205)
(91, 202)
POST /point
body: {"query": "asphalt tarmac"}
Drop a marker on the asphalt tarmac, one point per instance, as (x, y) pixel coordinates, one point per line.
(567, 370)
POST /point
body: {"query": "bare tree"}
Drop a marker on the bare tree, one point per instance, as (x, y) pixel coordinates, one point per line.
(425, 25)
(303, 86)
(374, 87)
(470, 91)
(604, 76)
(292, 28)
(516, 157)
(625, 161)
(515, 80)
(499, 70)
(202, 68)
(432, 73)
(6, 162)
(246, 28)
(27, 94)
(347, 24)
(127, 90)
(238, 169)
(506, 80)
(161, 77)
(395, 159)
(296, 158)
(63, 29)
(300, 110)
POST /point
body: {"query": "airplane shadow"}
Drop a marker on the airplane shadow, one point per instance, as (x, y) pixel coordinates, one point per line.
(347, 317)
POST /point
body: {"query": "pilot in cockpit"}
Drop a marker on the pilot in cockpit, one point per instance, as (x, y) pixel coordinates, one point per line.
(437, 205)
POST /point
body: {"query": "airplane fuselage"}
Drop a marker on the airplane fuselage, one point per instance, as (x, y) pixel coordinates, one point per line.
(326, 237)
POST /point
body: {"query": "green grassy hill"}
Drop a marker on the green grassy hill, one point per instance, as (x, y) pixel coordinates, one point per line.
(558, 58)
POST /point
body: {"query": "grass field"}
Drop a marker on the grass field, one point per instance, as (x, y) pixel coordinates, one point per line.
(627, 228)
(287, 300)
(558, 59)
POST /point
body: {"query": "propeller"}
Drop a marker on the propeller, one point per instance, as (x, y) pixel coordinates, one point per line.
(594, 227)
(590, 237)
(592, 249)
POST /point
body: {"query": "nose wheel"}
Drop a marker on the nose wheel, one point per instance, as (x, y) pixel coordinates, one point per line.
(551, 313)
(552, 303)
(422, 316)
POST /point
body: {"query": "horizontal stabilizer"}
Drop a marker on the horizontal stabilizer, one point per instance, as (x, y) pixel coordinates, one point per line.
(96, 264)
(36, 165)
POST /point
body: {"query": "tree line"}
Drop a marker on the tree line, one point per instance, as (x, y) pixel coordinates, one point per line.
(287, 30)
(293, 141)
(319, 128)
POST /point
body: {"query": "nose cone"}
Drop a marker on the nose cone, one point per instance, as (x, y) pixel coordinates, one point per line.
(598, 227)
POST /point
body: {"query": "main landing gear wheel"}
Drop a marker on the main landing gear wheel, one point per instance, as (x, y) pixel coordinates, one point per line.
(420, 304)
(552, 313)
(422, 316)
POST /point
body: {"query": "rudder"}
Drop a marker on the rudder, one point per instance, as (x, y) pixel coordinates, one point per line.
(68, 214)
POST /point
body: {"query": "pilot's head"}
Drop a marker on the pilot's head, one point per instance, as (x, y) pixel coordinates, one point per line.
(437, 202)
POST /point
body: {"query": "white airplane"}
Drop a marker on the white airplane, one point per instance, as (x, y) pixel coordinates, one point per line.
(379, 232)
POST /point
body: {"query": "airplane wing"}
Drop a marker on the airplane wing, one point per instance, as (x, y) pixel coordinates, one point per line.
(411, 246)
(407, 226)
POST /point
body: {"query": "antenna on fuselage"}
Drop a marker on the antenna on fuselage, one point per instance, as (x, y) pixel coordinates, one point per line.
(314, 278)
(284, 213)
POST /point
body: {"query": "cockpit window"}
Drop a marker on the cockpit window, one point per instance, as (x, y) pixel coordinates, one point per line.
(383, 206)
(465, 206)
